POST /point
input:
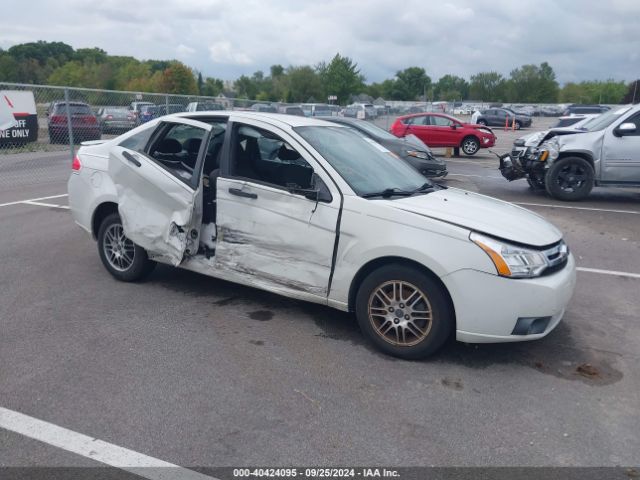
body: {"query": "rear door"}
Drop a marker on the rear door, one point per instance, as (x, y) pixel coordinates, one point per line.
(621, 154)
(158, 188)
(420, 126)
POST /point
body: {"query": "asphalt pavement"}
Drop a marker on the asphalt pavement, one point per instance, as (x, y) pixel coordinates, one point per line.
(200, 372)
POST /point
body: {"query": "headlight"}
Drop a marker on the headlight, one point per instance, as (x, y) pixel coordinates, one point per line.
(418, 154)
(552, 147)
(511, 260)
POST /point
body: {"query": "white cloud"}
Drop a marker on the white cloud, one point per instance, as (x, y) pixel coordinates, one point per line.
(185, 51)
(223, 52)
(581, 39)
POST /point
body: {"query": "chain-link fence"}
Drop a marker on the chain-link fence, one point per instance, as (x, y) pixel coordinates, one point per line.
(42, 126)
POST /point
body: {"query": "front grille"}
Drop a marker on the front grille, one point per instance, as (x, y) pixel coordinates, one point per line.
(557, 257)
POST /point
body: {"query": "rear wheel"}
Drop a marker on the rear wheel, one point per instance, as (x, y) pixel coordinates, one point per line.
(125, 260)
(470, 145)
(403, 312)
(570, 179)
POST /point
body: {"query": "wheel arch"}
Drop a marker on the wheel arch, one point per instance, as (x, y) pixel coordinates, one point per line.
(101, 212)
(580, 154)
(376, 263)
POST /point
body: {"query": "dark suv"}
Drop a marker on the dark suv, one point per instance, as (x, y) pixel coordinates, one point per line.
(500, 117)
(84, 123)
(576, 109)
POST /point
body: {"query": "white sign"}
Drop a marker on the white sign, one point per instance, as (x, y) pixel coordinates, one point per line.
(18, 117)
(7, 120)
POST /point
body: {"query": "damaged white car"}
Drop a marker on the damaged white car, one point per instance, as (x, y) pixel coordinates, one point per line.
(316, 211)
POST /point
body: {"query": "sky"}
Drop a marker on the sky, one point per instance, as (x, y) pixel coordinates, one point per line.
(581, 40)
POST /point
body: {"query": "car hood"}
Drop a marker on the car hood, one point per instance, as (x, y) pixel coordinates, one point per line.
(481, 214)
(415, 142)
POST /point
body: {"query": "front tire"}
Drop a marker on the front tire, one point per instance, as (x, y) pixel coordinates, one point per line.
(470, 145)
(518, 125)
(404, 312)
(122, 258)
(536, 182)
(570, 179)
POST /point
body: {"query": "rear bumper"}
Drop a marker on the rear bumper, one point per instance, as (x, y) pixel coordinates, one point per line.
(488, 306)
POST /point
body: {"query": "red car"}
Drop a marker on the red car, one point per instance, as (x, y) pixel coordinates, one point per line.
(440, 130)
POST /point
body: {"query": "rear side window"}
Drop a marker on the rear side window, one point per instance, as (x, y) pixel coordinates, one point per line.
(138, 142)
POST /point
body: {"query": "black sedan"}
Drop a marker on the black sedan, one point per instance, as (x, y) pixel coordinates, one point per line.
(409, 148)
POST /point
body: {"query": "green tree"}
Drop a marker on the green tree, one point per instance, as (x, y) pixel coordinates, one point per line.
(411, 83)
(302, 83)
(633, 93)
(179, 79)
(341, 77)
(451, 87)
(487, 86)
(212, 87)
(532, 84)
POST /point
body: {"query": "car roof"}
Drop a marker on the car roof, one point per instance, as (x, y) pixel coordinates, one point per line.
(274, 118)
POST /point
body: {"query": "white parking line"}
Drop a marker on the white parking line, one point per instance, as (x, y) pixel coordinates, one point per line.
(40, 204)
(95, 449)
(609, 272)
(592, 209)
(17, 202)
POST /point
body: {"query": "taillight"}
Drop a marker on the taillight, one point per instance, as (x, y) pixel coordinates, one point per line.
(76, 165)
(58, 119)
(91, 120)
(109, 117)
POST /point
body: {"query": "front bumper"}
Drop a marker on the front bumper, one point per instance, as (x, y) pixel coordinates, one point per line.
(488, 306)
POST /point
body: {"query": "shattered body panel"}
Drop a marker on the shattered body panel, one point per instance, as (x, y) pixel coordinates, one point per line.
(282, 240)
(156, 208)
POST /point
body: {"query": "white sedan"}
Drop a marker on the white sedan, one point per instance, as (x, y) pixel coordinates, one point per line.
(316, 211)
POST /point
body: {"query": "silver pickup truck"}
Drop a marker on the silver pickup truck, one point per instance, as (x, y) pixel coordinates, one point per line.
(568, 163)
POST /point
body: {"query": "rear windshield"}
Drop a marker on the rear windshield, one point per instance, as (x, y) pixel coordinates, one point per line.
(73, 109)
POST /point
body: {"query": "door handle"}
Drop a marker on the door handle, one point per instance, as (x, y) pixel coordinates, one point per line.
(242, 193)
(131, 159)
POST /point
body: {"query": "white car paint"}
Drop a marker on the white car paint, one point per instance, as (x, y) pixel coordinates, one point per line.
(312, 250)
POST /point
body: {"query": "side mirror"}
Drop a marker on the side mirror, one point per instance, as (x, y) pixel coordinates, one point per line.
(625, 129)
(454, 126)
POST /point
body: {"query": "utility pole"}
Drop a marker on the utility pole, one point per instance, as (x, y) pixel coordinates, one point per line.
(635, 89)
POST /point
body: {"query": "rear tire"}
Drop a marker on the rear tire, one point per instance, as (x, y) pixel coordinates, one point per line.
(122, 258)
(404, 312)
(470, 145)
(569, 179)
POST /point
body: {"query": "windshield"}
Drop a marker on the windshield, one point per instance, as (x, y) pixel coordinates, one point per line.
(365, 165)
(374, 130)
(606, 119)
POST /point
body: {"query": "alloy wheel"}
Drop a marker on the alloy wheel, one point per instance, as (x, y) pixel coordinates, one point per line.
(118, 249)
(400, 313)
